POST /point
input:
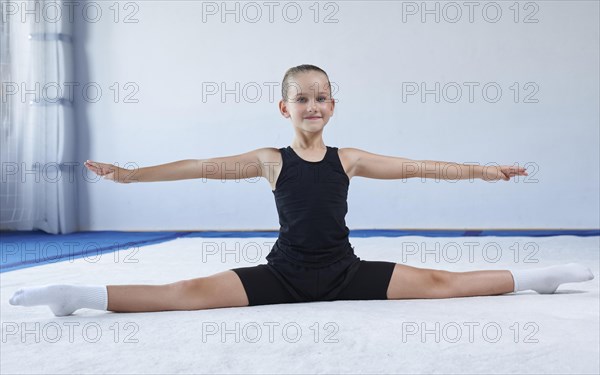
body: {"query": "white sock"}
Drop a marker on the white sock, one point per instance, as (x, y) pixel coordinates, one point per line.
(546, 280)
(63, 299)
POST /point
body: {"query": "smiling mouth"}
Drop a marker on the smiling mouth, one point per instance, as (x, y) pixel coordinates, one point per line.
(312, 118)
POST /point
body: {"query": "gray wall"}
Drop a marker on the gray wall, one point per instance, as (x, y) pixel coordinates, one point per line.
(369, 53)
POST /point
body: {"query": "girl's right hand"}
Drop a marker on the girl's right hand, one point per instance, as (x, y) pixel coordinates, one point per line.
(109, 171)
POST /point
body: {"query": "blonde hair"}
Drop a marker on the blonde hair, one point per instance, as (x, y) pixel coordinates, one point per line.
(291, 72)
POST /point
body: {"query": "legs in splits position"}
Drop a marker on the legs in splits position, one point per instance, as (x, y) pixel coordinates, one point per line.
(225, 289)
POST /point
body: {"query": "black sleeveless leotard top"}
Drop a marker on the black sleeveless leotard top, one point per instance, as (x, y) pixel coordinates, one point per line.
(311, 199)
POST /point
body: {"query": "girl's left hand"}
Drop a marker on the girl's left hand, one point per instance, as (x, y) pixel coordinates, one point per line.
(503, 172)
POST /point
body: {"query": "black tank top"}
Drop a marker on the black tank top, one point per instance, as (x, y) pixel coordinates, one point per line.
(311, 199)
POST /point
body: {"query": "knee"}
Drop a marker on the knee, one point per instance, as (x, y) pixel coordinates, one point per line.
(441, 279)
(185, 288)
(187, 294)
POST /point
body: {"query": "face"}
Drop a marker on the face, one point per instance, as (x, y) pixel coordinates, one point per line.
(309, 104)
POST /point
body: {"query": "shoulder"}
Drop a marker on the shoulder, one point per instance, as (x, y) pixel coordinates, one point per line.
(353, 155)
(349, 157)
(350, 153)
(268, 154)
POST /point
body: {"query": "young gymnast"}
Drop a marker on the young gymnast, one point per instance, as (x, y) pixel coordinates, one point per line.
(312, 259)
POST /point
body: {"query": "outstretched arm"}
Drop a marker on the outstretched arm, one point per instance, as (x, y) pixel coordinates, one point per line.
(247, 165)
(366, 164)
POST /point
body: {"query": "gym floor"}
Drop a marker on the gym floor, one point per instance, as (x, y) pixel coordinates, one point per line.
(513, 333)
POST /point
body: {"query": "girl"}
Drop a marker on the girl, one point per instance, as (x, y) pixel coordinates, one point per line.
(312, 259)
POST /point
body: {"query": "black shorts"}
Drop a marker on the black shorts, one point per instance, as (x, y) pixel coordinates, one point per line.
(281, 281)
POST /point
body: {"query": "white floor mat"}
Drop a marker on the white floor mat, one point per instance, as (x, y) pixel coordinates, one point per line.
(513, 333)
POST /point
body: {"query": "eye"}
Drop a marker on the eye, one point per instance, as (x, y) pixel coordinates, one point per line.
(320, 99)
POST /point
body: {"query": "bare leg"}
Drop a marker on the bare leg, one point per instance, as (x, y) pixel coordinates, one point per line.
(223, 289)
(413, 282)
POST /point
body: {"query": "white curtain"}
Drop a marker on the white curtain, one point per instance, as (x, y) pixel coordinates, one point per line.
(38, 187)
